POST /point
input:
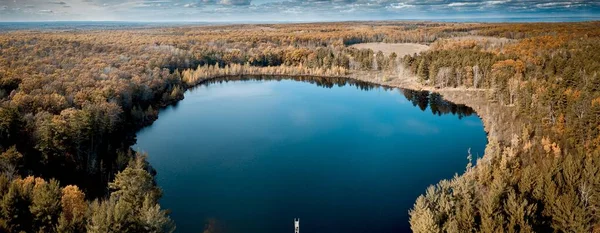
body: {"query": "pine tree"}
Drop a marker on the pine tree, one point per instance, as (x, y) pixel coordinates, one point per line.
(134, 183)
(423, 69)
(15, 207)
(45, 205)
(422, 219)
(153, 218)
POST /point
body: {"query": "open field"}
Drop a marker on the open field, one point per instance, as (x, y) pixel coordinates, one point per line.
(400, 49)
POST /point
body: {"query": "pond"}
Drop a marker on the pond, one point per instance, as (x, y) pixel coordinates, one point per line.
(250, 154)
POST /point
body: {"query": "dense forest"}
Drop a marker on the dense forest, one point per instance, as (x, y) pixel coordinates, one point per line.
(546, 178)
(71, 102)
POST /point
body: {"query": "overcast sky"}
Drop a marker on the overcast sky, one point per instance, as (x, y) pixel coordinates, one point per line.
(290, 10)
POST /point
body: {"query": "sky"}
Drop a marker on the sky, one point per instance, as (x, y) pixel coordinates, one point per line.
(288, 10)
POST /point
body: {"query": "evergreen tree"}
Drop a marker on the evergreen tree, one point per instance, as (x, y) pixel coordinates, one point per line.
(423, 69)
(45, 205)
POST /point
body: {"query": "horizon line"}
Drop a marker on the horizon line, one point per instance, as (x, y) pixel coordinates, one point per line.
(434, 19)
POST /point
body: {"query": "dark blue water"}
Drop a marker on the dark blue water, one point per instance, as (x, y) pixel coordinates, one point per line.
(250, 156)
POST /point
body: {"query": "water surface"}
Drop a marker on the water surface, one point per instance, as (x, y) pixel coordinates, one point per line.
(250, 156)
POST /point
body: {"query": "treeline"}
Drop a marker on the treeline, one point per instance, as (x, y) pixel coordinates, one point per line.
(313, 58)
(557, 193)
(452, 68)
(193, 77)
(323, 34)
(320, 81)
(425, 100)
(546, 177)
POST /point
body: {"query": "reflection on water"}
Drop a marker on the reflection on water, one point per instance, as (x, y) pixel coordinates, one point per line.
(423, 99)
(436, 103)
(250, 154)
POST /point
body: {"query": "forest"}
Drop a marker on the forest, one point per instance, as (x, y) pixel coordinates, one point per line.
(71, 102)
(545, 178)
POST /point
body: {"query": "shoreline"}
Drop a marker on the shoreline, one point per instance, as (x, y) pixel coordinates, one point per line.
(499, 121)
(494, 116)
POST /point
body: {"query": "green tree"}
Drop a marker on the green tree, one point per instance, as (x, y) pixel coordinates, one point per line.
(15, 206)
(132, 205)
(134, 183)
(45, 205)
(381, 62)
(423, 69)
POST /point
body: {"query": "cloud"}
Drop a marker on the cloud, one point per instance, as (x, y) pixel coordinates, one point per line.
(300, 117)
(472, 123)
(235, 2)
(463, 4)
(400, 5)
(222, 2)
(420, 127)
(555, 4)
(281, 10)
(496, 2)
